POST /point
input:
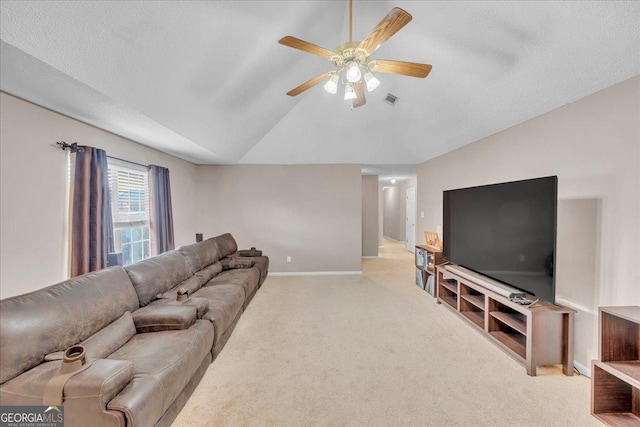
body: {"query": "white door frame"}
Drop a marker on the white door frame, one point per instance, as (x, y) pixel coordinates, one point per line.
(410, 220)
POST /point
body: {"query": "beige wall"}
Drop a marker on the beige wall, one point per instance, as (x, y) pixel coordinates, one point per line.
(370, 215)
(380, 214)
(593, 145)
(312, 213)
(33, 191)
(395, 210)
(392, 222)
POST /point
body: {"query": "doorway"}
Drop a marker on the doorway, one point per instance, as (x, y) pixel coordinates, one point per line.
(411, 220)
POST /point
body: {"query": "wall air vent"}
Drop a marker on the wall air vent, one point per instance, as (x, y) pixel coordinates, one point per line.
(391, 99)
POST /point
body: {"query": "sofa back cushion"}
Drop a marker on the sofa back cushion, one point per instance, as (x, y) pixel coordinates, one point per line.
(200, 255)
(208, 273)
(226, 244)
(154, 276)
(191, 285)
(106, 340)
(54, 318)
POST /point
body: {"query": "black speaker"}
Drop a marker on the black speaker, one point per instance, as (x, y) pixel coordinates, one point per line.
(198, 237)
(114, 258)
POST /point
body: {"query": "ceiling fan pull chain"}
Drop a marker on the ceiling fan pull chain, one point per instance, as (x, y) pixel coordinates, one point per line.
(350, 20)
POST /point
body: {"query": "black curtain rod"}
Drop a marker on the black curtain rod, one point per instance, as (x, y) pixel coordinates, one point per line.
(127, 161)
(72, 147)
(75, 147)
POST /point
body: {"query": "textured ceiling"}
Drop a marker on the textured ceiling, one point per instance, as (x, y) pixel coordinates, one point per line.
(206, 81)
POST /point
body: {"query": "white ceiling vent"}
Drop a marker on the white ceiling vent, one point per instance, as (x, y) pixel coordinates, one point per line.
(391, 99)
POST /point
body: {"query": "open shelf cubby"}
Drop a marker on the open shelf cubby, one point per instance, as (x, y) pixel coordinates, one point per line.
(509, 326)
(510, 337)
(514, 320)
(503, 315)
(426, 260)
(476, 317)
(615, 382)
(472, 304)
(450, 285)
(540, 335)
(513, 341)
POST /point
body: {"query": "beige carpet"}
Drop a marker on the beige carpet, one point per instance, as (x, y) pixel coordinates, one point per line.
(372, 350)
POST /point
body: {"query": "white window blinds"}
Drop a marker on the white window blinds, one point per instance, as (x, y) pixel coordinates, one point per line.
(129, 188)
(129, 195)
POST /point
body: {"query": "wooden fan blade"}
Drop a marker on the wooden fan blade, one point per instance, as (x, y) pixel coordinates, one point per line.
(306, 46)
(308, 84)
(360, 100)
(390, 24)
(412, 69)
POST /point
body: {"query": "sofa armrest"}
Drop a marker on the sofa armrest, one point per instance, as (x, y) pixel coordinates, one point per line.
(201, 304)
(88, 393)
(164, 317)
(250, 252)
(233, 262)
(105, 378)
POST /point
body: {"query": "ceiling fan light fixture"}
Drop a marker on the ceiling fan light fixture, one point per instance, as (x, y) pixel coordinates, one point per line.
(353, 72)
(372, 82)
(331, 85)
(353, 67)
(349, 93)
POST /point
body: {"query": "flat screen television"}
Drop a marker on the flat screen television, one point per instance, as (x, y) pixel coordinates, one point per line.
(506, 232)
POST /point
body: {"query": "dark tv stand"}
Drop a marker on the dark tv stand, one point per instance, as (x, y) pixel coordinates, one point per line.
(539, 335)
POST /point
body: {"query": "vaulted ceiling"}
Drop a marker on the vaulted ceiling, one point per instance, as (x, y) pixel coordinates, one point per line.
(206, 81)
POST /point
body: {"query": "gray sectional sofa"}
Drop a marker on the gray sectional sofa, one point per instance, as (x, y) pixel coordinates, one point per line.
(148, 347)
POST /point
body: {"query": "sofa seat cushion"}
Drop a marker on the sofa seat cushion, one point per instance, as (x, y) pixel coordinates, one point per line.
(222, 341)
(225, 303)
(262, 263)
(247, 278)
(169, 359)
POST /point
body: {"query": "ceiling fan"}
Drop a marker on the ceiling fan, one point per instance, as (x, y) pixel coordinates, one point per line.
(352, 61)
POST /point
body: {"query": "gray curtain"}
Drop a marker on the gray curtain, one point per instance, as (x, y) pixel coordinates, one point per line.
(91, 224)
(160, 212)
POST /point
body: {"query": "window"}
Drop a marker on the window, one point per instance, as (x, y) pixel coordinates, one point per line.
(129, 188)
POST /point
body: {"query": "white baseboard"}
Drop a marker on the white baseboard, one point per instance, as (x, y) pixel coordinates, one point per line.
(582, 369)
(370, 257)
(315, 273)
(560, 300)
(394, 240)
